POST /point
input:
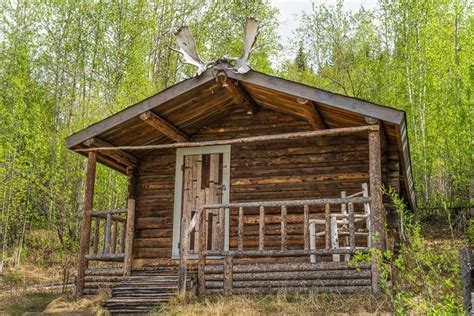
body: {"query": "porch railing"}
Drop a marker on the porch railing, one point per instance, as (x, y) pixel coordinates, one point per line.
(340, 223)
(107, 242)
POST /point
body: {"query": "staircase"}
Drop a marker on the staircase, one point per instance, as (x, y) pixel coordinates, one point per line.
(138, 294)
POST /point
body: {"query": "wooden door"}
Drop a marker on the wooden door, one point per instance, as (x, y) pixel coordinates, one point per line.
(202, 184)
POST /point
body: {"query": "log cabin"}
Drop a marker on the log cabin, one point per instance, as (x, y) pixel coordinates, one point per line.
(242, 183)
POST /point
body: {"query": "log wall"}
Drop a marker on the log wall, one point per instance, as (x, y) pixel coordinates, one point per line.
(308, 168)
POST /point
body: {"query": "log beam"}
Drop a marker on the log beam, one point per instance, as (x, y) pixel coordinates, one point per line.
(120, 156)
(240, 96)
(86, 223)
(164, 127)
(314, 116)
(244, 140)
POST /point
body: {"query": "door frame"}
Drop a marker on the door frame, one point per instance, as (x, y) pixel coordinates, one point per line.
(178, 189)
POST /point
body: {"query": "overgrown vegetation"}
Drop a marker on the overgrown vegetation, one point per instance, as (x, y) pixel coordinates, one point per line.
(424, 275)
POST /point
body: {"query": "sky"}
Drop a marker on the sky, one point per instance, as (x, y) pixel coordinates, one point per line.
(289, 8)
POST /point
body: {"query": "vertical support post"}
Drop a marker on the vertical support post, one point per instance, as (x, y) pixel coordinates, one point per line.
(114, 236)
(312, 241)
(327, 226)
(334, 238)
(284, 239)
(130, 229)
(228, 274)
(376, 204)
(261, 229)
(201, 253)
(96, 234)
(108, 231)
(86, 223)
(240, 240)
(306, 227)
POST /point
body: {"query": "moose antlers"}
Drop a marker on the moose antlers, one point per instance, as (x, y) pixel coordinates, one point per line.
(187, 48)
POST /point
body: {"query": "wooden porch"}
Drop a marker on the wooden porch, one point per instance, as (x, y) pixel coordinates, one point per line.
(263, 253)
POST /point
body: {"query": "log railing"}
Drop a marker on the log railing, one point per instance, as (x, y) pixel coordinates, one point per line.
(107, 242)
(341, 222)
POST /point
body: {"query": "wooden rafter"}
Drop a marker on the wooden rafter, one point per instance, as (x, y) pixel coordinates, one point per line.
(117, 155)
(163, 126)
(240, 96)
(314, 116)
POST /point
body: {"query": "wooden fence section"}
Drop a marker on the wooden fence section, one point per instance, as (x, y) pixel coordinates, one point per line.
(333, 225)
(107, 242)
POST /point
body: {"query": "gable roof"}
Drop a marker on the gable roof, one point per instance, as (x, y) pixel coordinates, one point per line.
(196, 102)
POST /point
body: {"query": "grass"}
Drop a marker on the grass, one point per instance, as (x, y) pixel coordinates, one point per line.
(20, 303)
(283, 303)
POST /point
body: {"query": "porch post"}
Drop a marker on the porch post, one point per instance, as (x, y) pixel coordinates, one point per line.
(86, 223)
(376, 205)
(130, 229)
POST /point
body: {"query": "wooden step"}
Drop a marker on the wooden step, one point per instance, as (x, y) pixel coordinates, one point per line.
(140, 293)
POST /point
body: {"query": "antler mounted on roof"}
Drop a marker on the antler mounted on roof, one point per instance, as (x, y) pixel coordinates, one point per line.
(187, 47)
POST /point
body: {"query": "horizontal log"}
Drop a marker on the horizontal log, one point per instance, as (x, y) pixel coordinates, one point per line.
(106, 257)
(284, 253)
(291, 283)
(355, 200)
(104, 272)
(299, 275)
(297, 266)
(319, 289)
(286, 136)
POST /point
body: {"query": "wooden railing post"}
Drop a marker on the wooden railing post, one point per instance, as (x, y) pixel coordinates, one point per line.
(183, 254)
(201, 253)
(351, 219)
(261, 229)
(240, 236)
(86, 223)
(96, 235)
(130, 229)
(108, 232)
(284, 240)
(376, 204)
(114, 237)
(306, 227)
(328, 226)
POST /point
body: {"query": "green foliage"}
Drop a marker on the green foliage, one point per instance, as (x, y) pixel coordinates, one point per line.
(416, 56)
(424, 275)
(65, 65)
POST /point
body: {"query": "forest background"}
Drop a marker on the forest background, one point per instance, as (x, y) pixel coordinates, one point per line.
(65, 65)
